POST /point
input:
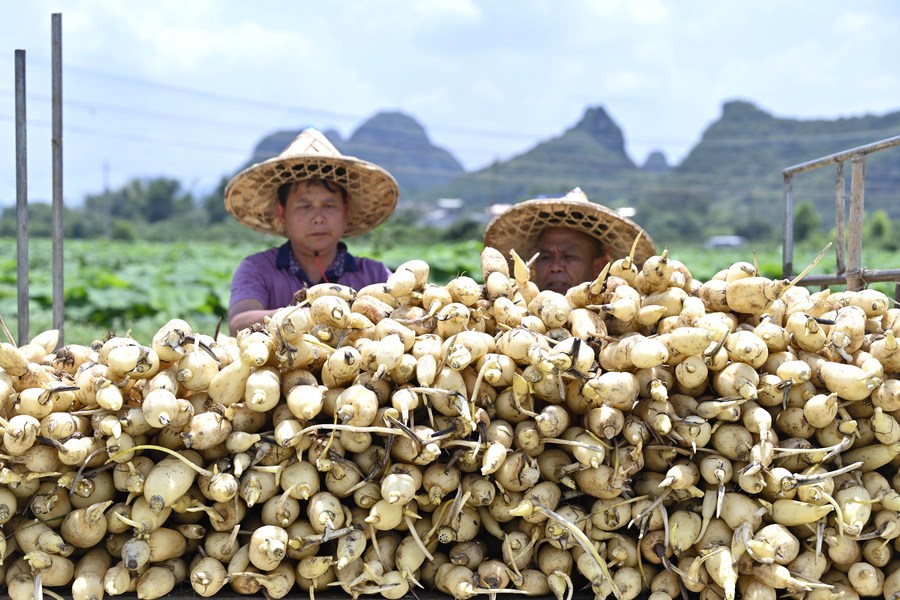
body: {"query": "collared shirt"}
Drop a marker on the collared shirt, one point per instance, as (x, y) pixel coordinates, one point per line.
(343, 262)
(269, 277)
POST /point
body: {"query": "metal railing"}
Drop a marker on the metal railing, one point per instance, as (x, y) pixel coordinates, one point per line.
(848, 247)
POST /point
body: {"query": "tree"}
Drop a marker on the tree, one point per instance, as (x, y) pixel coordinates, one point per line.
(465, 229)
(879, 226)
(754, 229)
(161, 198)
(119, 203)
(140, 200)
(40, 220)
(214, 204)
(806, 221)
(123, 230)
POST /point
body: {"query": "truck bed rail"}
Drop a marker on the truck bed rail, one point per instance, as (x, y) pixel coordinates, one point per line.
(848, 245)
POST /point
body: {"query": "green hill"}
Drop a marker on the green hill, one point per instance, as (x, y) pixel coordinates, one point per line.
(734, 175)
(390, 139)
(730, 182)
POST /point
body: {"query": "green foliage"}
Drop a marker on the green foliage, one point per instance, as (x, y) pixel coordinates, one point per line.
(731, 182)
(732, 178)
(755, 229)
(126, 286)
(666, 227)
(214, 205)
(878, 230)
(463, 230)
(806, 221)
(123, 230)
(138, 286)
(40, 219)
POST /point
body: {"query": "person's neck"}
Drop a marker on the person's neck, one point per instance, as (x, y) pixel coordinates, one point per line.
(314, 263)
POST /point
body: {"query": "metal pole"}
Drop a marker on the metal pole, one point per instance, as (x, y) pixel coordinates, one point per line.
(857, 211)
(839, 218)
(787, 252)
(21, 199)
(56, 146)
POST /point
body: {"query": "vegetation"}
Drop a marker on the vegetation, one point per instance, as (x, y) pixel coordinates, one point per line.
(122, 285)
(731, 182)
(150, 250)
(126, 286)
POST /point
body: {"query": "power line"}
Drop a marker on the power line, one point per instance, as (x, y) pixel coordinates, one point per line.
(496, 176)
(245, 101)
(762, 140)
(92, 106)
(134, 137)
(582, 162)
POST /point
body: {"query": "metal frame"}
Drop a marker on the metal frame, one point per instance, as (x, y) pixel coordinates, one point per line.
(22, 188)
(848, 248)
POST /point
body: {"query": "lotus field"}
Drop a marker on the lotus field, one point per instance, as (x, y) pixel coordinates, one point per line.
(119, 287)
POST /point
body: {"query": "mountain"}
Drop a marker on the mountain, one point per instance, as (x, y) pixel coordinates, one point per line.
(730, 182)
(590, 155)
(733, 176)
(399, 144)
(656, 164)
(391, 140)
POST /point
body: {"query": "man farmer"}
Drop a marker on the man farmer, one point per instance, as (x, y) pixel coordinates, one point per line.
(314, 196)
(575, 238)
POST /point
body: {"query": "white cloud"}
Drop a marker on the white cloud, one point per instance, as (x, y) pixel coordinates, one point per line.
(490, 92)
(855, 21)
(440, 10)
(494, 77)
(637, 11)
(437, 103)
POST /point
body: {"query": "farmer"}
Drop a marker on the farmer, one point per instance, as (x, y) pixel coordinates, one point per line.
(314, 196)
(574, 237)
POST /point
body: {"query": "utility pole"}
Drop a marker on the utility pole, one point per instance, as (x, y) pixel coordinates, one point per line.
(107, 202)
(56, 144)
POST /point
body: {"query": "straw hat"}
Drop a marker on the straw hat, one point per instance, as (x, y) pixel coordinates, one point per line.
(252, 195)
(519, 227)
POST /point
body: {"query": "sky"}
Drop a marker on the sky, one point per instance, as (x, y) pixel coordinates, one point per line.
(186, 88)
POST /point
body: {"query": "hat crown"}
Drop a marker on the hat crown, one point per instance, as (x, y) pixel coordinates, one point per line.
(576, 195)
(311, 142)
(520, 226)
(252, 195)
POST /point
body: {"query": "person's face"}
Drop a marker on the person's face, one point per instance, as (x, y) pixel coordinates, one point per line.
(567, 258)
(314, 217)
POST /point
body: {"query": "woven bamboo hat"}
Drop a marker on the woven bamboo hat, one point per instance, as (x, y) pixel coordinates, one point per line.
(252, 195)
(519, 227)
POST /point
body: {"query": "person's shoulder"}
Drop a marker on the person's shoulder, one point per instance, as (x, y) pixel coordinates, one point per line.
(267, 255)
(367, 261)
(370, 264)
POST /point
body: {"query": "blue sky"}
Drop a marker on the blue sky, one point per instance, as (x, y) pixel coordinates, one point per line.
(186, 88)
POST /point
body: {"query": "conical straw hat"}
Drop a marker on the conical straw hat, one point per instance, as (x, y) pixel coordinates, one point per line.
(252, 195)
(519, 227)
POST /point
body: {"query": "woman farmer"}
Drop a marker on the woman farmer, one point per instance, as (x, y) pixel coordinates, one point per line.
(574, 238)
(314, 196)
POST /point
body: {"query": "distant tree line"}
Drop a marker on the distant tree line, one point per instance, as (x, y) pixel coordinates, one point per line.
(160, 209)
(877, 228)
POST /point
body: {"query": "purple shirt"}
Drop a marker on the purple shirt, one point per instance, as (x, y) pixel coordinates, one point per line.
(270, 278)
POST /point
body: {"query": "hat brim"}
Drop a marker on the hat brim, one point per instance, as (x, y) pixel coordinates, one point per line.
(252, 195)
(519, 228)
